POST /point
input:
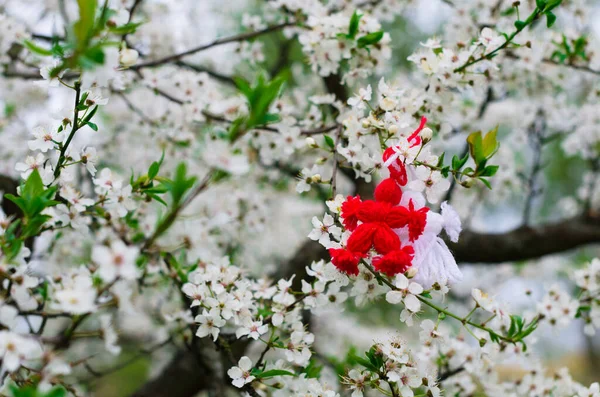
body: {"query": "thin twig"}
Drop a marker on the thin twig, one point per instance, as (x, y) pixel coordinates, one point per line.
(202, 69)
(63, 150)
(448, 374)
(489, 97)
(214, 43)
(536, 131)
(335, 162)
(534, 15)
(172, 215)
(126, 363)
(136, 110)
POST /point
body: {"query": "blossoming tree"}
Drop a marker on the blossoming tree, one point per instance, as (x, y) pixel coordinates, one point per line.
(159, 184)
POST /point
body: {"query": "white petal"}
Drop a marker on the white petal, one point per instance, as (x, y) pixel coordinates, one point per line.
(394, 297)
(235, 372)
(415, 288)
(412, 303)
(245, 363)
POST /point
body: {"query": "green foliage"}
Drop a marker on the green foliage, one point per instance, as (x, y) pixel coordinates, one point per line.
(550, 19)
(570, 50)
(32, 201)
(518, 330)
(151, 184)
(271, 373)
(520, 25)
(329, 141)
(353, 28)
(86, 39)
(180, 184)
(31, 46)
(546, 7)
(313, 370)
(369, 39)
(83, 28)
(178, 267)
(481, 149)
(373, 362)
(32, 391)
(260, 96)
(128, 28)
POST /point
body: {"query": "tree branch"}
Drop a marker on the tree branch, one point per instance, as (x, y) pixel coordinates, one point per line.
(526, 242)
(214, 43)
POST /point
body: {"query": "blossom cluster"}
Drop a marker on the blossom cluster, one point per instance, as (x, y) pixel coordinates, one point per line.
(156, 197)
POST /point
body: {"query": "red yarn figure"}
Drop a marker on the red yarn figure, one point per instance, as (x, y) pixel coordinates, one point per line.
(372, 222)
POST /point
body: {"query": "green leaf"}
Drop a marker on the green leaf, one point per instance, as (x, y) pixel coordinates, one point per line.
(440, 162)
(313, 370)
(540, 4)
(90, 115)
(84, 26)
(445, 171)
(56, 392)
(513, 327)
(486, 183)
(369, 39)
(475, 142)
(81, 105)
(353, 28)
(490, 170)
(364, 362)
(551, 4)
(92, 126)
(274, 372)
(520, 25)
(243, 86)
(260, 96)
(582, 309)
(180, 184)
(508, 11)
(329, 141)
(31, 46)
(128, 28)
(153, 170)
(494, 337)
(33, 187)
(455, 162)
(550, 18)
(57, 49)
(92, 57)
(490, 143)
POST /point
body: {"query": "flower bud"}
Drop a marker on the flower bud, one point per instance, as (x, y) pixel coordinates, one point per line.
(387, 104)
(412, 272)
(311, 142)
(366, 123)
(426, 134)
(393, 129)
(128, 57)
(468, 182)
(316, 178)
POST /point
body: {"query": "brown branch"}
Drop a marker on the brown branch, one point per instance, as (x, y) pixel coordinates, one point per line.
(550, 61)
(15, 74)
(202, 69)
(214, 43)
(182, 377)
(526, 242)
(450, 373)
(334, 86)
